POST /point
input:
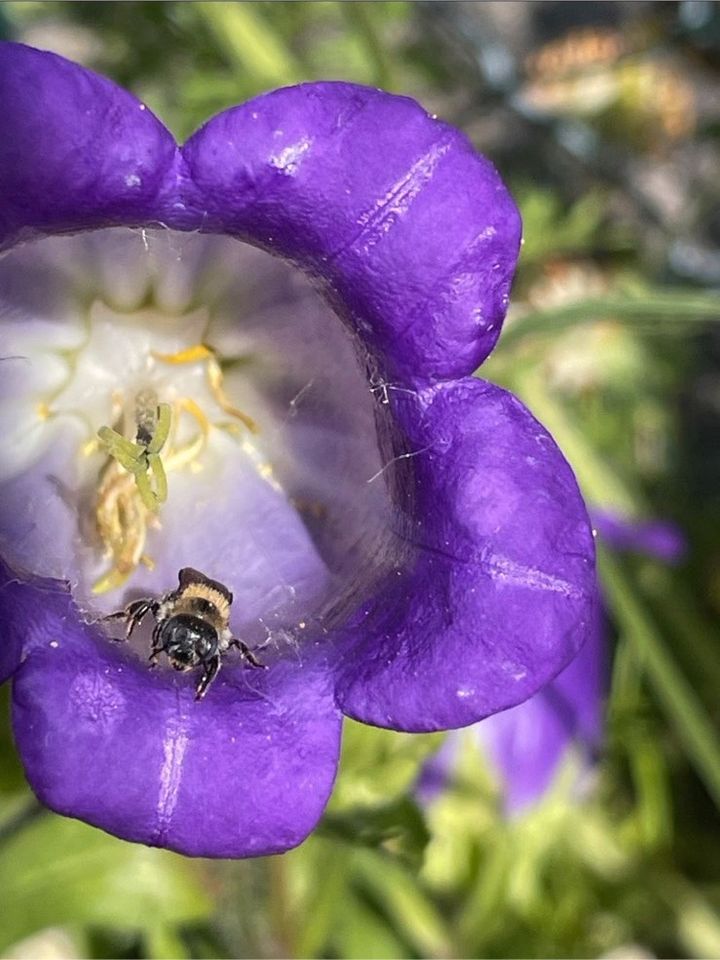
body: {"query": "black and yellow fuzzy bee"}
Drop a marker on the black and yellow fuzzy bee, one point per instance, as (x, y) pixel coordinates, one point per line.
(191, 626)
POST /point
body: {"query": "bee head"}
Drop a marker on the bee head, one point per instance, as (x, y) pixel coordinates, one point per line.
(188, 640)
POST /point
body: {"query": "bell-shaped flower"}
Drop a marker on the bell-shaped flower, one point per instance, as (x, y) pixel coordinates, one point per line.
(404, 543)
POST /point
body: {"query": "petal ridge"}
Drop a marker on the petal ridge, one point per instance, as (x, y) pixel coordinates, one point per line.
(374, 209)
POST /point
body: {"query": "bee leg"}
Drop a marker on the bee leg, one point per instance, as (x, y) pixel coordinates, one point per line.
(156, 648)
(247, 653)
(136, 611)
(209, 674)
(132, 614)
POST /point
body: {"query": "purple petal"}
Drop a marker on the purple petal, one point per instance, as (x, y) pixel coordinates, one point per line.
(76, 150)
(245, 772)
(528, 744)
(349, 182)
(497, 593)
(656, 538)
(21, 622)
(410, 232)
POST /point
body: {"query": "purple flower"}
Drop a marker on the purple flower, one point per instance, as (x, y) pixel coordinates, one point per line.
(404, 542)
(656, 538)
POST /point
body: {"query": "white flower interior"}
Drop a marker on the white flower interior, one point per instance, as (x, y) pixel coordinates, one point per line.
(274, 481)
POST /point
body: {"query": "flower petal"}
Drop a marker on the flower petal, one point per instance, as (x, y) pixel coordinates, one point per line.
(349, 182)
(77, 151)
(245, 772)
(24, 616)
(498, 589)
(411, 233)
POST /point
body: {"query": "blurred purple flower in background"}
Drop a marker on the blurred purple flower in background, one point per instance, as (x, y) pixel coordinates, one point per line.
(655, 538)
(528, 744)
(404, 541)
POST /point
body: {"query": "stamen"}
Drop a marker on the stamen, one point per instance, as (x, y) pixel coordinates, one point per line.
(215, 378)
(188, 453)
(197, 352)
(134, 483)
(122, 520)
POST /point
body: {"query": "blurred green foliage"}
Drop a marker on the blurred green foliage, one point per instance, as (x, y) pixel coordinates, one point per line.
(612, 341)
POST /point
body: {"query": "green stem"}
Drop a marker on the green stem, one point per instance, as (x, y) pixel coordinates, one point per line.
(626, 685)
(359, 17)
(700, 640)
(250, 42)
(673, 690)
(674, 308)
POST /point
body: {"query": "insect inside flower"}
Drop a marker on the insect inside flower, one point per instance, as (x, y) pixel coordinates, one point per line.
(191, 626)
(133, 482)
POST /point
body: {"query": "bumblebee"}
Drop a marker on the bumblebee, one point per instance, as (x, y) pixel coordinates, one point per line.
(191, 626)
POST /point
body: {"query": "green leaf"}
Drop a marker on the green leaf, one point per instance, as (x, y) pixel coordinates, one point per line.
(398, 826)
(322, 900)
(59, 871)
(549, 230)
(365, 933)
(405, 903)
(378, 766)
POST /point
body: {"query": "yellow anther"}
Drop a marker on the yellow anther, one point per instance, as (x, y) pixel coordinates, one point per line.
(200, 351)
(180, 456)
(215, 379)
(122, 521)
(90, 446)
(190, 355)
(112, 581)
(43, 410)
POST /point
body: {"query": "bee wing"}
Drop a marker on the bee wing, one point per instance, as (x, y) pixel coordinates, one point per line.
(188, 576)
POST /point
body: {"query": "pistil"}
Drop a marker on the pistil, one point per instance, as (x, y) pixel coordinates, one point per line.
(133, 481)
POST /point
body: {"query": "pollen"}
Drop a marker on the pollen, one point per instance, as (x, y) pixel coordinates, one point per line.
(150, 439)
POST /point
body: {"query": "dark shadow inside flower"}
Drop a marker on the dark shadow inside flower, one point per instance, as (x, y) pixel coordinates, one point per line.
(275, 479)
